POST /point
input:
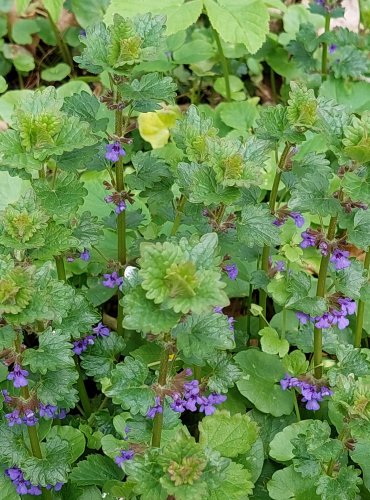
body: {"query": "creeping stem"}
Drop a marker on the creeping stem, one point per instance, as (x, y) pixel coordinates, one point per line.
(266, 249)
(324, 57)
(225, 68)
(361, 307)
(121, 217)
(61, 272)
(178, 216)
(320, 292)
(162, 379)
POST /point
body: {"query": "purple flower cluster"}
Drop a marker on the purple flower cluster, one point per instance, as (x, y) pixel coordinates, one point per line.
(85, 255)
(18, 376)
(312, 393)
(283, 217)
(339, 257)
(28, 416)
(230, 319)
(192, 397)
(50, 411)
(114, 151)
(24, 487)
(335, 316)
(124, 456)
(232, 271)
(112, 280)
(80, 346)
(157, 408)
(120, 204)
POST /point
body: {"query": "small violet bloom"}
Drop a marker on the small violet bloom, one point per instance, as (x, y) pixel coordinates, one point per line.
(309, 240)
(80, 346)
(232, 271)
(231, 322)
(114, 151)
(178, 404)
(298, 218)
(47, 411)
(13, 418)
(18, 376)
(124, 456)
(85, 255)
(29, 418)
(121, 207)
(112, 280)
(157, 408)
(101, 330)
(340, 259)
(332, 48)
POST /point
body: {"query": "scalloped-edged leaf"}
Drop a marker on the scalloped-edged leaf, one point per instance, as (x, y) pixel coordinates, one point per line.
(147, 93)
(58, 239)
(86, 106)
(257, 228)
(100, 359)
(95, 470)
(312, 194)
(237, 485)
(224, 372)
(359, 229)
(80, 318)
(57, 388)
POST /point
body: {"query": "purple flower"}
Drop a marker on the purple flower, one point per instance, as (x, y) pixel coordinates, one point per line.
(18, 376)
(70, 259)
(62, 413)
(34, 491)
(279, 222)
(288, 382)
(178, 404)
(80, 346)
(231, 322)
(325, 391)
(218, 310)
(279, 265)
(298, 218)
(124, 456)
(114, 151)
(303, 317)
(101, 330)
(29, 418)
(216, 399)
(348, 306)
(340, 259)
(188, 372)
(324, 248)
(332, 48)
(232, 271)
(206, 406)
(191, 388)
(325, 321)
(13, 418)
(312, 405)
(47, 411)
(14, 473)
(120, 207)
(108, 198)
(85, 255)
(157, 408)
(309, 240)
(112, 280)
(7, 398)
(192, 401)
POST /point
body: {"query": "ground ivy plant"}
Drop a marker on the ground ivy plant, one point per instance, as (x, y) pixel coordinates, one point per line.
(188, 321)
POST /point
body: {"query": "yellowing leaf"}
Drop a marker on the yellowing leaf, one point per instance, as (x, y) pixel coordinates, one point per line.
(154, 127)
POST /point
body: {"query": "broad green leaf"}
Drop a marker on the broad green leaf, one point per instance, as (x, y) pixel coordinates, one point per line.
(271, 343)
(236, 486)
(127, 386)
(281, 447)
(240, 116)
(56, 388)
(236, 87)
(95, 470)
(74, 437)
(270, 425)
(7, 489)
(359, 229)
(349, 360)
(56, 73)
(143, 315)
(257, 228)
(259, 382)
(350, 280)
(23, 29)
(21, 57)
(180, 14)
(54, 352)
(54, 7)
(312, 194)
(344, 485)
(302, 106)
(100, 359)
(194, 51)
(12, 447)
(87, 14)
(239, 22)
(356, 141)
(231, 435)
(357, 186)
(53, 467)
(224, 372)
(295, 363)
(360, 456)
(149, 171)
(198, 337)
(147, 93)
(58, 239)
(288, 484)
(81, 316)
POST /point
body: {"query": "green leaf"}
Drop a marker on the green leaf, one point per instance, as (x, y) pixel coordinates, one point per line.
(344, 485)
(357, 141)
(360, 456)
(350, 360)
(87, 107)
(238, 22)
(56, 388)
(91, 13)
(81, 316)
(143, 315)
(7, 489)
(54, 7)
(295, 363)
(54, 352)
(102, 356)
(359, 229)
(302, 106)
(289, 484)
(12, 447)
(23, 29)
(198, 337)
(256, 227)
(56, 73)
(281, 446)
(236, 486)
(147, 93)
(231, 435)
(312, 194)
(236, 87)
(180, 14)
(74, 437)
(273, 125)
(127, 386)
(271, 343)
(183, 277)
(53, 467)
(149, 171)
(58, 239)
(95, 470)
(240, 116)
(87, 229)
(350, 280)
(259, 382)
(194, 51)
(21, 57)
(224, 372)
